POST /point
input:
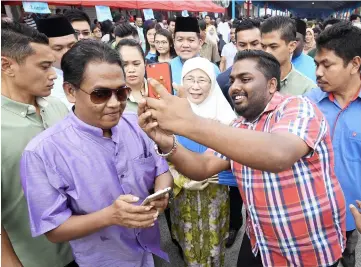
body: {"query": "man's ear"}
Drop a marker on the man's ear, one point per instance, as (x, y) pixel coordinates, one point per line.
(7, 66)
(70, 92)
(272, 86)
(356, 63)
(292, 47)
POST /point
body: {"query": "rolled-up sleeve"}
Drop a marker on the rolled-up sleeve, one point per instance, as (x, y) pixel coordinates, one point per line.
(44, 192)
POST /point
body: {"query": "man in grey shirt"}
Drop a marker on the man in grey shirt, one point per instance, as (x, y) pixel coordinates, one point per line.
(279, 39)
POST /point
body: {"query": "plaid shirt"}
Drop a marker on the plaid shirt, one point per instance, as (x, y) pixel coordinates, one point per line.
(296, 217)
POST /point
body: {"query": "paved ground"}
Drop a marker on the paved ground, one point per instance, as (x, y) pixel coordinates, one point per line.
(231, 254)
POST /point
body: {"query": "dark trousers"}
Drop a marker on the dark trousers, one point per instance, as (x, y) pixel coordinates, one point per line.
(235, 219)
(348, 256)
(246, 257)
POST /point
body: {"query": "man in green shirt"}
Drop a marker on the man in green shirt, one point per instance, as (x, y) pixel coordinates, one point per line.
(27, 80)
(279, 39)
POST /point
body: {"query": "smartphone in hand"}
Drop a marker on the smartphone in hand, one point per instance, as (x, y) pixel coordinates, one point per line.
(156, 195)
(162, 73)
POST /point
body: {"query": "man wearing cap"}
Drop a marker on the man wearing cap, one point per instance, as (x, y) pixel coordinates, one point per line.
(61, 38)
(302, 62)
(187, 44)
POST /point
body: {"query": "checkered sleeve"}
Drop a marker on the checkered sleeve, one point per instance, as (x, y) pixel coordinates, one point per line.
(299, 116)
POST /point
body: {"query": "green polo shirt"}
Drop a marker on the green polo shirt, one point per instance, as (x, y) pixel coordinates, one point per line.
(296, 83)
(19, 124)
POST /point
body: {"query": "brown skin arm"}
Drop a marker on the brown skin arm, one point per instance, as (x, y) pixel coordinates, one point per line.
(8, 255)
(162, 181)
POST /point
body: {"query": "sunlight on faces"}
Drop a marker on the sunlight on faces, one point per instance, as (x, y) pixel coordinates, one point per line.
(97, 76)
(161, 44)
(250, 91)
(150, 36)
(61, 45)
(134, 65)
(139, 22)
(197, 85)
(35, 75)
(187, 44)
(308, 37)
(82, 29)
(274, 45)
(331, 72)
(171, 26)
(249, 39)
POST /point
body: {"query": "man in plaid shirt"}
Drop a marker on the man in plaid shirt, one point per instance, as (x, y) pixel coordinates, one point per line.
(280, 151)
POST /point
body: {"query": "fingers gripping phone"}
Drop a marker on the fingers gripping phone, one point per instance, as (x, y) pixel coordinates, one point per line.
(162, 73)
(156, 195)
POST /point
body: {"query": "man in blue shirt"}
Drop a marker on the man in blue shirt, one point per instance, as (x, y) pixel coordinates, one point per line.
(187, 44)
(302, 62)
(338, 61)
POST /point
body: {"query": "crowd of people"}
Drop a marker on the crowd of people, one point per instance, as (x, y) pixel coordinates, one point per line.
(265, 115)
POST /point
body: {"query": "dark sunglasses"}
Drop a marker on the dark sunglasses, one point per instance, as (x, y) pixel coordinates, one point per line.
(102, 95)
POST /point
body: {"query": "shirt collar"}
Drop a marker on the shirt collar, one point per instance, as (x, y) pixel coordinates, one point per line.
(276, 99)
(92, 130)
(22, 109)
(331, 97)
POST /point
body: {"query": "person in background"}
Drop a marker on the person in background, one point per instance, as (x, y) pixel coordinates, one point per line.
(164, 46)
(310, 42)
(27, 79)
(149, 33)
(224, 29)
(61, 169)
(28, 18)
(330, 22)
(134, 68)
(208, 21)
(229, 51)
(200, 210)
(248, 37)
(165, 24)
(284, 170)
(212, 35)
(338, 60)
(302, 62)
(187, 44)
(58, 11)
(279, 39)
(209, 48)
(171, 25)
(108, 32)
(316, 32)
(61, 38)
(96, 32)
(80, 22)
(125, 31)
(355, 18)
(139, 25)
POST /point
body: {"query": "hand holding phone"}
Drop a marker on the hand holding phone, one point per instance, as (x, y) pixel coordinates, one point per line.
(156, 196)
(162, 73)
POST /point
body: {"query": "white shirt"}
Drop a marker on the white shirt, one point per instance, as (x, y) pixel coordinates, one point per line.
(224, 30)
(58, 90)
(229, 51)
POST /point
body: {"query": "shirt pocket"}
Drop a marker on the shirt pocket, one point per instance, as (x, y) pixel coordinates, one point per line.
(352, 145)
(144, 171)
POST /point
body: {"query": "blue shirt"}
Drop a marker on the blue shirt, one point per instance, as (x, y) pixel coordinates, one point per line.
(177, 66)
(306, 65)
(345, 129)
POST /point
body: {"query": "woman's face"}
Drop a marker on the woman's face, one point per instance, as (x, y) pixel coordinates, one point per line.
(161, 44)
(197, 85)
(150, 37)
(308, 36)
(134, 66)
(97, 33)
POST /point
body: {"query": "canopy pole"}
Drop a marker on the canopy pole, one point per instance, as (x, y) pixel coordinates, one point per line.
(233, 9)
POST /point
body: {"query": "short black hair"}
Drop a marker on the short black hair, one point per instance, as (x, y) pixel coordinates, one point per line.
(58, 11)
(77, 15)
(285, 25)
(354, 17)
(75, 61)
(266, 63)
(331, 21)
(16, 39)
(125, 29)
(171, 20)
(202, 25)
(343, 38)
(247, 24)
(316, 30)
(131, 43)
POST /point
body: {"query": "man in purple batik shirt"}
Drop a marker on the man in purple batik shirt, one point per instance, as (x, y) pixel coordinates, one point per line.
(85, 177)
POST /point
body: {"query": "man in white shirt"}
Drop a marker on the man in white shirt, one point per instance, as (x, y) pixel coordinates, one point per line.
(229, 51)
(61, 38)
